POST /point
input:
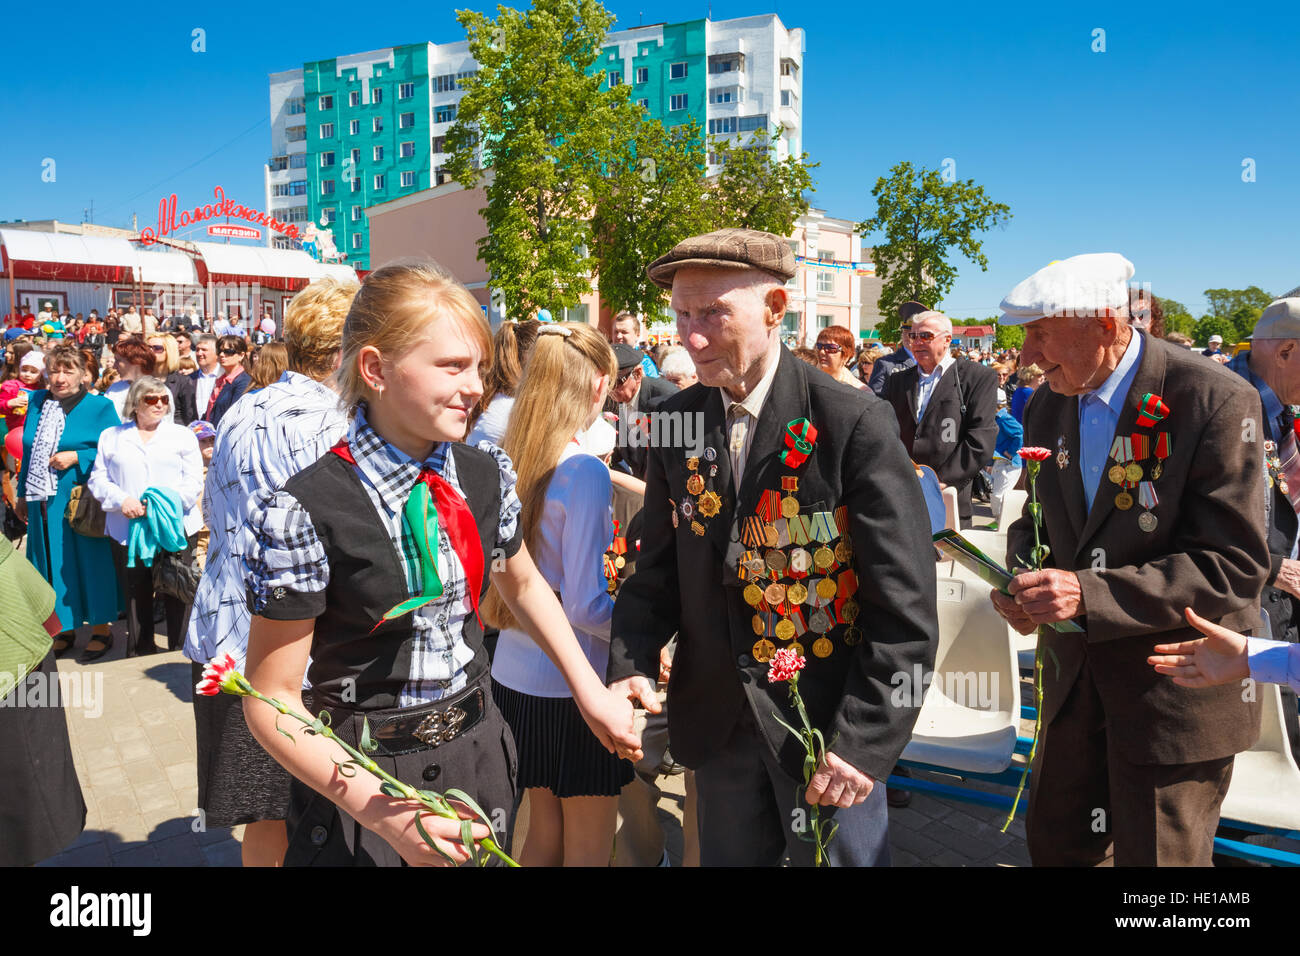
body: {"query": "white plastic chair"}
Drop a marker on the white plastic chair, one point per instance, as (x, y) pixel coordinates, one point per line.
(1265, 788)
(971, 711)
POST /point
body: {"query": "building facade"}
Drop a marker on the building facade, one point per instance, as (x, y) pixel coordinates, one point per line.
(356, 131)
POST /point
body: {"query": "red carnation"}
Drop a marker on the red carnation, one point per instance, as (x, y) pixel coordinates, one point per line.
(217, 677)
(1034, 453)
(785, 664)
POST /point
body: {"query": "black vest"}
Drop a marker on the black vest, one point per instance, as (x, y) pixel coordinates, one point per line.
(368, 577)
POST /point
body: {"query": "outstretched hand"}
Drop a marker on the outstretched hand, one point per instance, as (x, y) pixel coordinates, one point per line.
(1218, 658)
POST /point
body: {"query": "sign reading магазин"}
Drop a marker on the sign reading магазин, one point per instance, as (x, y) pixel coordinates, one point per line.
(234, 232)
(222, 208)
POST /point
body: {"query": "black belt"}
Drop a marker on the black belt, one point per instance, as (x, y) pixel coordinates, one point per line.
(427, 726)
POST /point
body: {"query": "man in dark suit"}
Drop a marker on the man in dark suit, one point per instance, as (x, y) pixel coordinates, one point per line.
(902, 357)
(1152, 503)
(633, 396)
(776, 536)
(947, 408)
(1272, 367)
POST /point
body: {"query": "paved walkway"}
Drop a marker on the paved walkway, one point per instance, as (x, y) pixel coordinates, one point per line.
(134, 752)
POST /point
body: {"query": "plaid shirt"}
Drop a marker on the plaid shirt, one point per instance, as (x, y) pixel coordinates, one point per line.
(289, 554)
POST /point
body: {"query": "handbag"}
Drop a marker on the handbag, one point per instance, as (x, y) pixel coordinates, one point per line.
(84, 514)
(176, 574)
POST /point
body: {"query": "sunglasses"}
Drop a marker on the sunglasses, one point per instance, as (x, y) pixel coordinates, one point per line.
(827, 347)
(622, 379)
(921, 336)
(229, 352)
(152, 400)
(159, 348)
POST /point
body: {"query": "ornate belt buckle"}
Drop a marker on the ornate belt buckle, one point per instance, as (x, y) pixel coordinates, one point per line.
(440, 726)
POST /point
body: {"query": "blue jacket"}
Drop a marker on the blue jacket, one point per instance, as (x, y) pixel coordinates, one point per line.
(1011, 436)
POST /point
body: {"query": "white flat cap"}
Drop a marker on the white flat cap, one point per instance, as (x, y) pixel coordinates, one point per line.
(1080, 285)
(1281, 320)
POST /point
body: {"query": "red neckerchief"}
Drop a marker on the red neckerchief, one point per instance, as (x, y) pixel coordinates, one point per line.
(454, 513)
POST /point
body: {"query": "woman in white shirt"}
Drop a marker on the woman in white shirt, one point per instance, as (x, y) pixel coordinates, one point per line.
(147, 451)
(510, 347)
(572, 781)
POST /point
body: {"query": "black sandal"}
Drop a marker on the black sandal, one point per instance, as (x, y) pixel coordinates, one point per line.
(93, 655)
(63, 643)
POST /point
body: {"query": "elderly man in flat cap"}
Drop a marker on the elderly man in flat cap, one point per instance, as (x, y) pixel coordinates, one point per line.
(802, 525)
(1152, 502)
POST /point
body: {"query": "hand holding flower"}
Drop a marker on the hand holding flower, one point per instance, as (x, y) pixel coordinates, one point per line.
(837, 783)
(1048, 595)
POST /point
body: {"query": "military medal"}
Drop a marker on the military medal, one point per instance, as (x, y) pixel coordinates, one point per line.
(825, 589)
(763, 650)
(688, 509)
(695, 484)
(777, 561)
(672, 505)
(789, 504)
(1126, 472)
(1062, 456)
(823, 557)
(853, 637)
(770, 537)
(819, 621)
(849, 611)
(710, 504)
(784, 630)
(697, 528)
(753, 594)
(759, 625)
(774, 594)
(1116, 474)
(1123, 501)
(796, 593)
(1163, 446)
(800, 529)
(1148, 499)
(800, 561)
(843, 551)
(710, 454)
(822, 647)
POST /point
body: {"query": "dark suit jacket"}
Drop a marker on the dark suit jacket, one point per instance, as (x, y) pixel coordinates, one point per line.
(1207, 552)
(651, 394)
(182, 389)
(688, 584)
(229, 395)
(887, 366)
(955, 445)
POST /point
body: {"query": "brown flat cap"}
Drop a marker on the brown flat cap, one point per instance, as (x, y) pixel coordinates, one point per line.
(726, 249)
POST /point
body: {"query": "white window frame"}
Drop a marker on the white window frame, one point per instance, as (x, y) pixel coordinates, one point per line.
(376, 95)
(377, 124)
(644, 104)
(327, 159)
(327, 191)
(672, 70)
(673, 100)
(378, 182)
(377, 154)
(642, 74)
(325, 102)
(406, 121)
(408, 178)
(405, 91)
(356, 213)
(354, 98)
(614, 78)
(356, 240)
(825, 279)
(406, 150)
(323, 130)
(354, 127)
(356, 157)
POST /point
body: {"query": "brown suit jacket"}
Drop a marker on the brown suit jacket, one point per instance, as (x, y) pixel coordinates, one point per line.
(1208, 552)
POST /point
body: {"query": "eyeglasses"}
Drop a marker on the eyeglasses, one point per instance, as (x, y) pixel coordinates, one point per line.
(158, 348)
(229, 352)
(827, 347)
(152, 400)
(922, 336)
(622, 379)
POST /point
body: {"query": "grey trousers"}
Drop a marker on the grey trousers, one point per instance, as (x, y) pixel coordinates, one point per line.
(750, 809)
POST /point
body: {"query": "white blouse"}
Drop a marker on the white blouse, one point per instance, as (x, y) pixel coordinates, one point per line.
(125, 466)
(575, 531)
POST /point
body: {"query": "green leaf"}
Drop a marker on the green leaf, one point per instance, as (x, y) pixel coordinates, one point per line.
(389, 789)
(424, 835)
(796, 733)
(467, 838)
(346, 768)
(367, 745)
(466, 799)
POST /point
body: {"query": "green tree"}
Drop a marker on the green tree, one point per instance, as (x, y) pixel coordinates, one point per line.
(923, 218)
(653, 196)
(1213, 325)
(754, 190)
(1009, 337)
(1224, 303)
(547, 129)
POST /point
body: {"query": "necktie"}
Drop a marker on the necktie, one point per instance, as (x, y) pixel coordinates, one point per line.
(1289, 456)
(737, 427)
(217, 386)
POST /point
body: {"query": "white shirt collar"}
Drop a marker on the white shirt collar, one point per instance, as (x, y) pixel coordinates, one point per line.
(754, 401)
(944, 364)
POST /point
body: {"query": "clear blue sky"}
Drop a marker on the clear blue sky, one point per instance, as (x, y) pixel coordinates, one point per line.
(1136, 150)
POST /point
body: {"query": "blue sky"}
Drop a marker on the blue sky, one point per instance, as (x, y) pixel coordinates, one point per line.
(1137, 150)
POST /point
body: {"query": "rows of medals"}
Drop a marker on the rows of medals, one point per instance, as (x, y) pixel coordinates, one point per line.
(1129, 453)
(799, 569)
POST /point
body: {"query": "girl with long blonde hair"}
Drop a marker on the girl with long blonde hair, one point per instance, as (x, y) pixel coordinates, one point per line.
(371, 564)
(572, 783)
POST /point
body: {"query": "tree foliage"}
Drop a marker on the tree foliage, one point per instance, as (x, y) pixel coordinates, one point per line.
(548, 130)
(1213, 325)
(923, 219)
(654, 196)
(1009, 337)
(754, 190)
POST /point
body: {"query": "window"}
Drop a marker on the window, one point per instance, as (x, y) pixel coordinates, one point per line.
(825, 321)
(677, 71)
(377, 94)
(748, 124)
(727, 64)
(440, 144)
(615, 79)
(327, 102)
(406, 91)
(295, 134)
(405, 120)
(677, 101)
(790, 323)
(644, 104)
(356, 157)
(789, 68)
(789, 99)
(444, 114)
(356, 184)
(354, 98)
(377, 124)
(354, 127)
(298, 160)
(825, 283)
(356, 240)
(643, 74)
(294, 214)
(379, 181)
(356, 213)
(722, 126)
(327, 187)
(280, 189)
(330, 213)
(448, 82)
(327, 159)
(723, 96)
(715, 159)
(378, 154)
(296, 104)
(408, 179)
(279, 163)
(326, 130)
(406, 150)
(440, 176)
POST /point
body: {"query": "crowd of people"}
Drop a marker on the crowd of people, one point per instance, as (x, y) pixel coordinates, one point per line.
(465, 546)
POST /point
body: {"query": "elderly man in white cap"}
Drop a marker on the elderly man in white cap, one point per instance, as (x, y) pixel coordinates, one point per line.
(1151, 503)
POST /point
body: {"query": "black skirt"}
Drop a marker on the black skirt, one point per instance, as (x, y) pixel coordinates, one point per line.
(41, 807)
(239, 782)
(557, 750)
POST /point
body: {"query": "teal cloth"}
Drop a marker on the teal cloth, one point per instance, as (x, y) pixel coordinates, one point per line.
(161, 529)
(78, 568)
